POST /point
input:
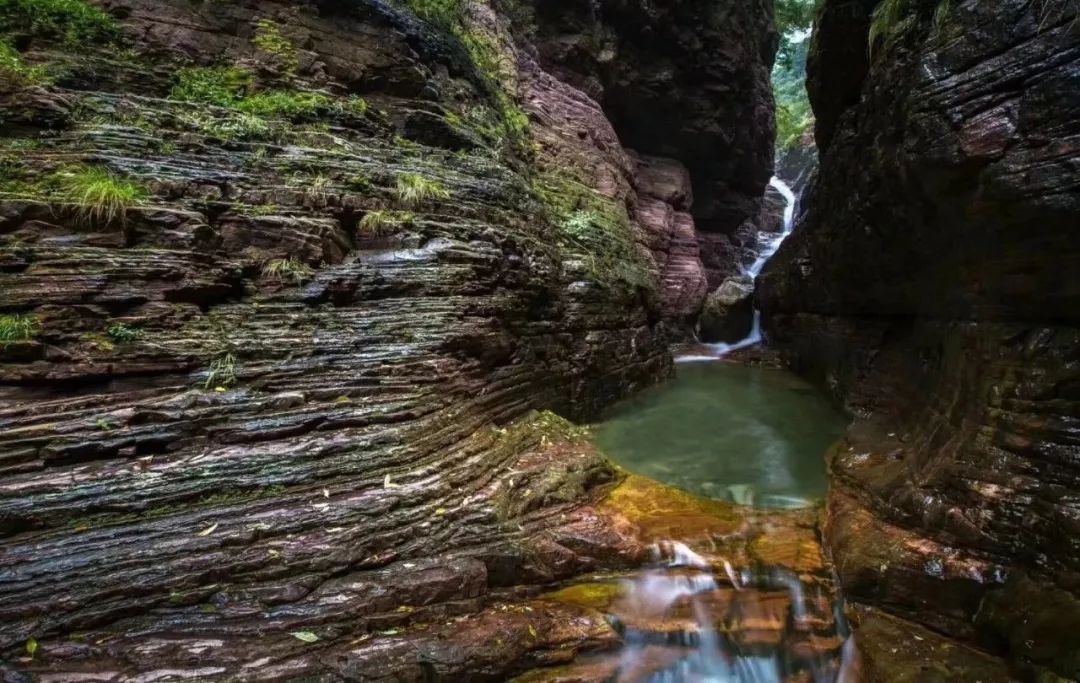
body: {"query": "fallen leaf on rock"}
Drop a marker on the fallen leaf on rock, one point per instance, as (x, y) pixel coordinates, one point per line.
(387, 485)
(306, 636)
(390, 632)
(532, 631)
(31, 647)
(209, 530)
(440, 512)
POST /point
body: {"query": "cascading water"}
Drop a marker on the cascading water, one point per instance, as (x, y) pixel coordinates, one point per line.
(770, 248)
(682, 622)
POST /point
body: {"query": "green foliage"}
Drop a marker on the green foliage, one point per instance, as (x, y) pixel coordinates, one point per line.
(414, 190)
(233, 127)
(76, 21)
(794, 118)
(291, 268)
(269, 39)
(376, 223)
(14, 70)
(222, 372)
(288, 104)
(16, 328)
(123, 334)
(100, 195)
(220, 85)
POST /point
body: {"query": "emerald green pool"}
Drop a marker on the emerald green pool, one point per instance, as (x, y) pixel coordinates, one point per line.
(752, 436)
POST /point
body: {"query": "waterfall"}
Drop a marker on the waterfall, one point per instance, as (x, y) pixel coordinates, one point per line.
(720, 640)
(771, 247)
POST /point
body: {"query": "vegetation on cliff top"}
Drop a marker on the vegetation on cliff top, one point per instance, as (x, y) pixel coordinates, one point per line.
(76, 21)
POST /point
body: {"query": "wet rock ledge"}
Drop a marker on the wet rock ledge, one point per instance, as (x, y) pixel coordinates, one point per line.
(283, 286)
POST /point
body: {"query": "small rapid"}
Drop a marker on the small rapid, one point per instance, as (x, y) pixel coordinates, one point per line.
(719, 350)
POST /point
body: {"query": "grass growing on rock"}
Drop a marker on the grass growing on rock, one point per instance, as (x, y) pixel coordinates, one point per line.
(414, 190)
(375, 223)
(17, 328)
(290, 268)
(220, 85)
(222, 372)
(269, 39)
(100, 195)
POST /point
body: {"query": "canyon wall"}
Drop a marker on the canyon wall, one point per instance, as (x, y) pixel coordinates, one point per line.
(271, 402)
(933, 287)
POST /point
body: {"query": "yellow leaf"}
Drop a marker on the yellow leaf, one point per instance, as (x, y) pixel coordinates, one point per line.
(306, 636)
(220, 390)
(532, 631)
(440, 512)
(405, 609)
(209, 530)
(31, 647)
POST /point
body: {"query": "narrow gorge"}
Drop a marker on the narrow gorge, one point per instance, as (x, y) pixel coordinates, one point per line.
(458, 340)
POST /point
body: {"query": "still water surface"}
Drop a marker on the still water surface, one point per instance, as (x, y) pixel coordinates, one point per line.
(752, 436)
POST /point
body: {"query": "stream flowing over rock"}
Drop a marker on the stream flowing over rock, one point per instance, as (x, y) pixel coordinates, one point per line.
(932, 286)
(281, 412)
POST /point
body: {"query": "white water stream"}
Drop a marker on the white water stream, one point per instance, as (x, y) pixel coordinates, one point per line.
(770, 248)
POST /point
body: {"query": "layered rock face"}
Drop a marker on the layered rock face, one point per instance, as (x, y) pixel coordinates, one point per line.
(932, 286)
(272, 405)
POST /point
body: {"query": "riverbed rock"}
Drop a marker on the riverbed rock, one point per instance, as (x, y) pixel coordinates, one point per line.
(932, 288)
(728, 314)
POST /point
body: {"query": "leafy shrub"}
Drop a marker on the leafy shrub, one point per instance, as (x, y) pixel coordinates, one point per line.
(376, 223)
(15, 328)
(414, 189)
(15, 70)
(121, 333)
(101, 196)
(282, 268)
(76, 21)
(220, 85)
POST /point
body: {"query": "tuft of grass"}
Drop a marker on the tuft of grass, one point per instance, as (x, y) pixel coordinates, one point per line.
(220, 85)
(269, 39)
(16, 328)
(100, 195)
(376, 223)
(14, 70)
(283, 268)
(77, 22)
(123, 334)
(414, 190)
(222, 372)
